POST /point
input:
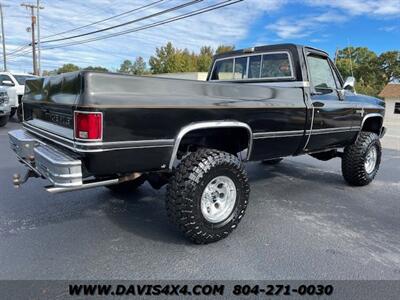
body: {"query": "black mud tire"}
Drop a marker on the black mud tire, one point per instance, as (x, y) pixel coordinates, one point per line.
(186, 187)
(19, 113)
(272, 161)
(354, 156)
(3, 121)
(128, 186)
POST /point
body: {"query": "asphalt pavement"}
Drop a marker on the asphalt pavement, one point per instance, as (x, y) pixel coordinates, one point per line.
(303, 222)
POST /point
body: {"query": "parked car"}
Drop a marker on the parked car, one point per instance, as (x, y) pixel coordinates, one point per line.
(15, 83)
(88, 129)
(4, 107)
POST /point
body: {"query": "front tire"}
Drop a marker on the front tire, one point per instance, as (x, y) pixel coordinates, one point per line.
(3, 121)
(207, 195)
(361, 160)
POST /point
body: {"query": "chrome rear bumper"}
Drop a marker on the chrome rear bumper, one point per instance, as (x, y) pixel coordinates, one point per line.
(60, 168)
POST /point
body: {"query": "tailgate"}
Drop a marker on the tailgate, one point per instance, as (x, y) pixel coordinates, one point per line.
(49, 103)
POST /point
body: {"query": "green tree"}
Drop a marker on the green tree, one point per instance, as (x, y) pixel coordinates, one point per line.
(67, 68)
(204, 59)
(364, 64)
(126, 67)
(139, 66)
(165, 60)
(224, 48)
(96, 68)
(389, 63)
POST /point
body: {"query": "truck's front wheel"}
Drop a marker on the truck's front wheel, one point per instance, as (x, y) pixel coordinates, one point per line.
(361, 160)
(207, 195)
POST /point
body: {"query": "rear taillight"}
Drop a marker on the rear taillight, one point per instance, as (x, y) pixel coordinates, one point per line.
(88, 125)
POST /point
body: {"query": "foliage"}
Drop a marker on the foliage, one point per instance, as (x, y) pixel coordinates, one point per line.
(372, 72)
(224, 48)
(204, 59)
(126, 67)
(138, 67)
(67, 68)
(169, 59)
(96, 68)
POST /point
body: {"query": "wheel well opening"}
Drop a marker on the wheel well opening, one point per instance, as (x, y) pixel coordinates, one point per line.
(373, 124)
(231, 140)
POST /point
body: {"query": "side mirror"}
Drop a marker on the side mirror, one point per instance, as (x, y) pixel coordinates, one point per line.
(7, 83)
(349, 83)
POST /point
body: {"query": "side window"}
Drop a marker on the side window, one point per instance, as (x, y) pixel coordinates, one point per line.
(240, 68)
(223, 70)
(4, 78)
(321, 74)
(255, 66)
(276, 65)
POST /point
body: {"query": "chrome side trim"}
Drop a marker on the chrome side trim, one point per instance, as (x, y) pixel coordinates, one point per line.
(289, 84)
(211, 124)
(370, 116)
(277, 134)
(98, 146)
(332, 130)
(291, 133)
(367, 116)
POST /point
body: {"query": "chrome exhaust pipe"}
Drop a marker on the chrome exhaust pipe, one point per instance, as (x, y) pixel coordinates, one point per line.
(93, 184)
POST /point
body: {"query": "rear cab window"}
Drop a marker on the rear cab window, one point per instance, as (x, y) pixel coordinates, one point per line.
(266, 66)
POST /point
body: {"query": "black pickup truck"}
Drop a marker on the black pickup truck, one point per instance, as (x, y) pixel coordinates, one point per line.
(87, 129)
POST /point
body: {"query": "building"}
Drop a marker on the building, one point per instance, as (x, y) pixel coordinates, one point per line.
(391, 95)
(186, 75)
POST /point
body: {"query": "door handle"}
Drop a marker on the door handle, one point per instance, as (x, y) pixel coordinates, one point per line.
(318, 104)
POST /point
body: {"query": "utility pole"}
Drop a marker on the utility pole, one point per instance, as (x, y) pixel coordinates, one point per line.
(3, 38)
(38, 7)
(33, 18)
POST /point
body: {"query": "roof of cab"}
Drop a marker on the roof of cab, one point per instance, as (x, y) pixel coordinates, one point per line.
(265, 48)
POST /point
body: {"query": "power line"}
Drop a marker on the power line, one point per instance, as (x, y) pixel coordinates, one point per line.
(127, 23)
(97, 22)
(107, 19)
(155, 24)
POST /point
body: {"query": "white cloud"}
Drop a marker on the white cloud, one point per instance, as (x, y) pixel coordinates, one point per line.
(380, 8)
(299, 27)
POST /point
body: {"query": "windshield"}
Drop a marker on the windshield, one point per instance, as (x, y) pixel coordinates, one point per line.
(22, 78)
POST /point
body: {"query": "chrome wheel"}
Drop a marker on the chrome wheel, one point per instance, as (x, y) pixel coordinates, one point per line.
(218, 199)
(370, 160)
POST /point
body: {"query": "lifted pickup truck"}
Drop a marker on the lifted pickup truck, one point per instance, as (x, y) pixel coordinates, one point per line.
(88, 129)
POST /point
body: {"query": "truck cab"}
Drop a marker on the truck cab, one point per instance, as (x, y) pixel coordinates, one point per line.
(15, 85)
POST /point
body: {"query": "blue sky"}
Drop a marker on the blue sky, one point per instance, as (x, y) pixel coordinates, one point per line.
(319, 23)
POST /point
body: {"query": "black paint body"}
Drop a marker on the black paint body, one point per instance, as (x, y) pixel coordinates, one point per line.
(143, 116)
